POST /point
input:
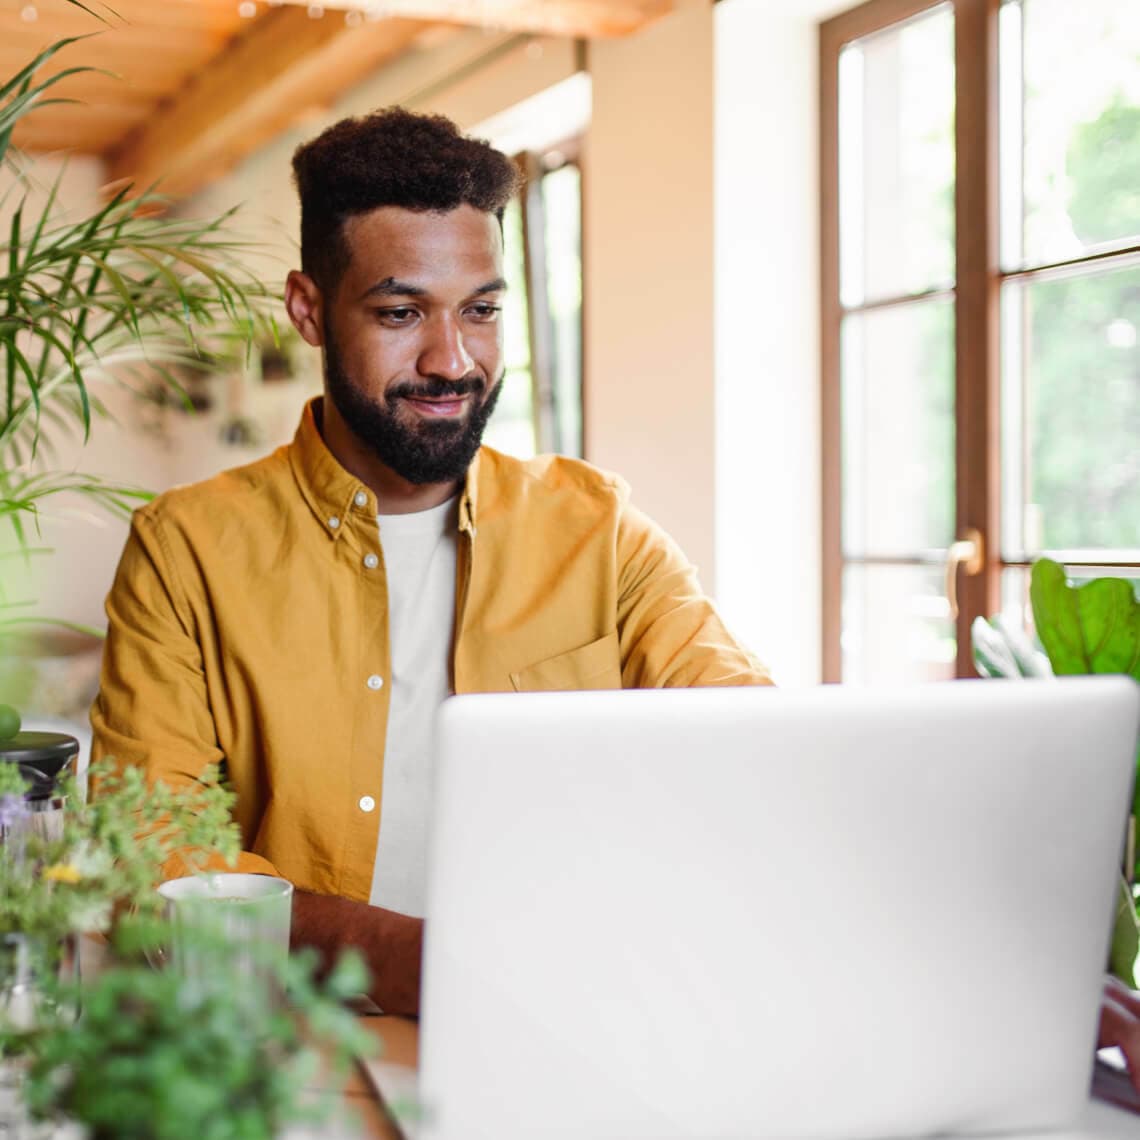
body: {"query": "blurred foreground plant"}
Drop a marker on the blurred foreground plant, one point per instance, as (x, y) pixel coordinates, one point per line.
(153, 1058)
(108, 852)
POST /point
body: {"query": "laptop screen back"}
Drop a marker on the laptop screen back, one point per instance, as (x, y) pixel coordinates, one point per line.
(753, 913)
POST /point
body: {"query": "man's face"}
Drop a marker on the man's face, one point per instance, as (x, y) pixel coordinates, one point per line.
(413, 337)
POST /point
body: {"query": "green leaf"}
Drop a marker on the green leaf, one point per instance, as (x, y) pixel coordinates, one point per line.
(1125, 937)
(21, 80)
(992, 656)
(1093, 628)
(1001, 650)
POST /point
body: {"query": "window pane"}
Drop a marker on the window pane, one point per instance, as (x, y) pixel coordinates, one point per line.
(897, 410)
(896, 159)
(1015, 609)
(1081, 87)
(562, 203)
(1071, 406)
(896, 625)
(511, 428)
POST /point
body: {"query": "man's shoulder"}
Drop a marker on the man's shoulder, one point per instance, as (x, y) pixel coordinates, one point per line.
(231, 492)
(511, 480)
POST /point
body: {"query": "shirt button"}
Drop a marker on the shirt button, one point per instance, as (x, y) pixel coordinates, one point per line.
(360, 499)
(334, 522)
(367, 803)
(375, 682)
(371, 561)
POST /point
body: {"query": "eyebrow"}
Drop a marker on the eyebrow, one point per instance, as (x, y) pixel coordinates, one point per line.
(392, 287)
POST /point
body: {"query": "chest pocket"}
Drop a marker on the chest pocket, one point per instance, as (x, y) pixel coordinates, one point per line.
(593, 666)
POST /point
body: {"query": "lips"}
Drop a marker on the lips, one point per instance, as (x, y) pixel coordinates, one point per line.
(437, 406)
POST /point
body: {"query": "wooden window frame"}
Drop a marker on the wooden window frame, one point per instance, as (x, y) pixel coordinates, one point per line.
(977, 285)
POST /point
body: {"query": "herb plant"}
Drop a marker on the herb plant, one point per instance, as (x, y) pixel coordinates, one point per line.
(109, 852)
(152, 1059)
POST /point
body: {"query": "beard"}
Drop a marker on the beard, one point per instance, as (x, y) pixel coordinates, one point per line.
(438, 451)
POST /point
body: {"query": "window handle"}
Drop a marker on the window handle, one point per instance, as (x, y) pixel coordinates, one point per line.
(969, 553)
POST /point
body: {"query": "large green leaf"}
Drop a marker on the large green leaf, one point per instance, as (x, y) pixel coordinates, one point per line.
(1125, 937)
(1094, 628)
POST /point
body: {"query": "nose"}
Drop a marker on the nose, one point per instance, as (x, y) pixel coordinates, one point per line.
(444, 352)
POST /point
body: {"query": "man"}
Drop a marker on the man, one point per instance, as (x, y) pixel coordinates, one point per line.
(300, 619)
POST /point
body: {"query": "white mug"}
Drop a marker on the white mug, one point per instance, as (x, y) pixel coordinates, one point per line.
(230, 921)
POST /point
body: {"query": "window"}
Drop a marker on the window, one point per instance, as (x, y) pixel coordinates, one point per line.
(541, 405)
(981, 317)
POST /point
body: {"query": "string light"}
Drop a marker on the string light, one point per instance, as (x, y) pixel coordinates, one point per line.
(29, 14)
(353, 18)
(316, 11)
(247, 9)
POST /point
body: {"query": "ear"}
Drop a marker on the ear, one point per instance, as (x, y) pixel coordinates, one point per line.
(304, 304)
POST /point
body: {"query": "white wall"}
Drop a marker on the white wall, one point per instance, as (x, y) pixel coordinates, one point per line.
(767, 329)
(648, 269)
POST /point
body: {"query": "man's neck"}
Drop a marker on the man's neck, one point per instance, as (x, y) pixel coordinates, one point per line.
(394, 494)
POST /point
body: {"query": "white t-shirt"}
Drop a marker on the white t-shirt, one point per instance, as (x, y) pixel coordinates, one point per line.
(419, 560)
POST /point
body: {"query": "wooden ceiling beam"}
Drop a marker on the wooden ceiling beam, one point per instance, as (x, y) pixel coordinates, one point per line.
(587, 19)
(83, 131)
(27, 40)
(284, 63)
(66, 19)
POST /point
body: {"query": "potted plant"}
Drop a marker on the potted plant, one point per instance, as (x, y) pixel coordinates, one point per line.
(151, 1059)
(1090, 628)
(126, 292)
(136, 1052)
(103, 859)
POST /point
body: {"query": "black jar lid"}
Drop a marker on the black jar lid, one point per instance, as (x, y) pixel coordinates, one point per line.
(42, 758)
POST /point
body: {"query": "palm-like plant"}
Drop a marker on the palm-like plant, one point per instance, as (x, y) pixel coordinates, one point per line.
(127, 292)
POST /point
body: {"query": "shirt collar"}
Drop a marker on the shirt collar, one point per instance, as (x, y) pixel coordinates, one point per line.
(334, 495)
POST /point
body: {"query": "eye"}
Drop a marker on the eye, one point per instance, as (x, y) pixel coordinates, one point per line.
(397, 315)
(484, 311)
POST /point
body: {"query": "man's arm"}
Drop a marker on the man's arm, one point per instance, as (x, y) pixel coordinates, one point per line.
(153, 710)
(391, 943)
(671, 634)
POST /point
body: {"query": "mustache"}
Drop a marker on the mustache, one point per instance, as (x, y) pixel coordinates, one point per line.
(436, 388)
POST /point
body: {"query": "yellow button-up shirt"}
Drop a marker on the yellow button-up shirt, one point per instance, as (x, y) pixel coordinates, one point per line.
(248, 626)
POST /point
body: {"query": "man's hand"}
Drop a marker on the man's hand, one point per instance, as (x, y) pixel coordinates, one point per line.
(1120, 1024)
(392, 944)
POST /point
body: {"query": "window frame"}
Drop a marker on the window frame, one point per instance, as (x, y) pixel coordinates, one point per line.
(544, 407)
(979, 277)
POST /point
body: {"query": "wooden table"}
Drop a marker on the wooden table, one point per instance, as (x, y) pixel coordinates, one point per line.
(399, 1045)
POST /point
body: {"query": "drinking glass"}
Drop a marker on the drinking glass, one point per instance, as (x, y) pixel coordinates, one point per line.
(229, 921)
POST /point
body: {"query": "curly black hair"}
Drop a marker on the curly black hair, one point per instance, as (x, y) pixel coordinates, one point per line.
(391, 157)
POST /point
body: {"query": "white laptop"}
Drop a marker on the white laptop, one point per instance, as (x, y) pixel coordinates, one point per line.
(719, 914)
